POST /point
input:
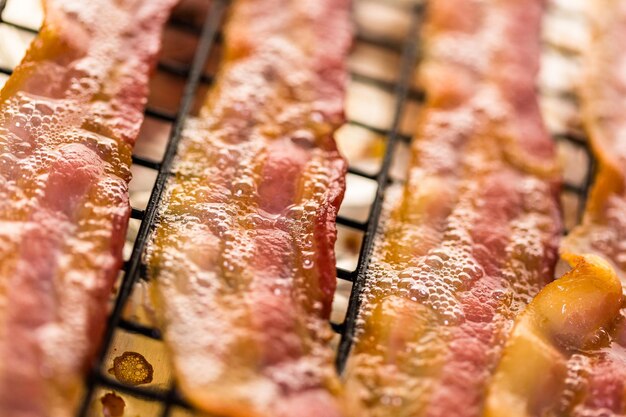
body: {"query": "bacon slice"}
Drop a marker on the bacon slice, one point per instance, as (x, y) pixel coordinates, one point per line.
(603, 96)
(474, 234)
(556, 340)
(242, 257)
(567, 353)
(580, 365)
(69, 116)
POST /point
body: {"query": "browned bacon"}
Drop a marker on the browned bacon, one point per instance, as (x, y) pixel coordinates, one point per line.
(567, 354)
(473, 236)
(602, 374)
(242, 257)
(69, 116)
(603, 94)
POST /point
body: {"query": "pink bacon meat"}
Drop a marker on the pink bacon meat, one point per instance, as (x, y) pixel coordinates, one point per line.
(242, 257)
(577, 326)
(69, 116)
(474, 234)
(602, 373)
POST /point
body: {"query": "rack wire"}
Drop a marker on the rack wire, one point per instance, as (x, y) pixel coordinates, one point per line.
(195, 76)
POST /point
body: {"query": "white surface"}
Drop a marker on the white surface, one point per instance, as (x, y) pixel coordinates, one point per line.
(3, 79)
(13, 45)
(28, 13)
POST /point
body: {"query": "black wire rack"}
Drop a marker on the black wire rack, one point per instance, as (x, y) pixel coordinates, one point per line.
(195, 76)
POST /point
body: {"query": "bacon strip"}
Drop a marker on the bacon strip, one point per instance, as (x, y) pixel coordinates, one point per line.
(603, 232)
(69, 116)
(474, 234)
(567, 352)
(242, 257)
(560, 336)
(581, 366)
(603, 97)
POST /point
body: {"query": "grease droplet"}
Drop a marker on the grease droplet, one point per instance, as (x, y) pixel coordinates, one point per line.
(112, 405)
(132, 368)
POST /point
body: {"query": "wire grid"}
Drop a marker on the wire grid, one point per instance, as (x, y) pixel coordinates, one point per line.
(133, 269)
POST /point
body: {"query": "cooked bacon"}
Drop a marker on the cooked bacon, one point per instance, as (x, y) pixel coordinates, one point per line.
(242, 257)
(69, 116)
(603, 96)
(576, 326)
(474, 234)
(560, 336)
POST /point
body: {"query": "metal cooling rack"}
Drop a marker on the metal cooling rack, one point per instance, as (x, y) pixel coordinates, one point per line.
(209, 37)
